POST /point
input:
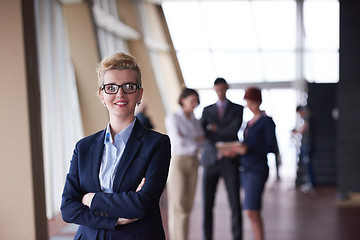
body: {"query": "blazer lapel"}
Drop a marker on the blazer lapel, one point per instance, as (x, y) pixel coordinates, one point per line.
(96, 152)
(228, 109)
(132, 147)
(214, 113)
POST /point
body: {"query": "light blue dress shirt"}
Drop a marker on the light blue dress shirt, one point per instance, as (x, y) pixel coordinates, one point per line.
(111, 156)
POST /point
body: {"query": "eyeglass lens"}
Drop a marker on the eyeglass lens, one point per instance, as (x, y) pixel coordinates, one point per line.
(127, 88)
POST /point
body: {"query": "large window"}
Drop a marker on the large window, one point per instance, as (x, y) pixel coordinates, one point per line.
(321, 22)
(255, 41)
(112, 32)
(277, 45)
(60, 121)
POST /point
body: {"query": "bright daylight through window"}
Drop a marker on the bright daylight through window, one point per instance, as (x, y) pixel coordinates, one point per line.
(254, 41)
(257, 42)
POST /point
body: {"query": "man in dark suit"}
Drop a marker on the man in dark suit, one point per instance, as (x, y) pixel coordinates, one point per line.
(221, 122)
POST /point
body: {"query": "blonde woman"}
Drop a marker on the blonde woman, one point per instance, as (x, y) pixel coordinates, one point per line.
(118, 174)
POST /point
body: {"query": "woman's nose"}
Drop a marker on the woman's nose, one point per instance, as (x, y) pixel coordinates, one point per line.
(120, 93)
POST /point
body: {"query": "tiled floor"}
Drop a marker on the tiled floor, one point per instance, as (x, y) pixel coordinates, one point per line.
(288, 213)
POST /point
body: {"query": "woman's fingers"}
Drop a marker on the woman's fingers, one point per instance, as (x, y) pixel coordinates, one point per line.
(140, 185)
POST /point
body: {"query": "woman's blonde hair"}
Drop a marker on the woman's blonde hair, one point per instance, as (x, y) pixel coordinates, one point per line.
(119, 61)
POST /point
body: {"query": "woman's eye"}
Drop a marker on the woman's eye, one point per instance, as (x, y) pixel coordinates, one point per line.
(129, 86)
(111, 88)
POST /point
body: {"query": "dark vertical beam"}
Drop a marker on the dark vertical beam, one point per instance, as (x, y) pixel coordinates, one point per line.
(34, 107)
(348, 98)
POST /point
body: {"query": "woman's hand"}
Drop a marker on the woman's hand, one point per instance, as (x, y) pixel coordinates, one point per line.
(123, 221)
(229, 153)
(240, 149)
(87, 198)
(140, 185)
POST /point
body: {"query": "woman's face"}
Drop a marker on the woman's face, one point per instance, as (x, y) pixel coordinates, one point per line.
(190, 103)
(120, 105)
(254, 106)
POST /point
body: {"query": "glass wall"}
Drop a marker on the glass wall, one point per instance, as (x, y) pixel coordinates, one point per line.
(61, 120)
(258, 42)
(255, 41)
(112, 33)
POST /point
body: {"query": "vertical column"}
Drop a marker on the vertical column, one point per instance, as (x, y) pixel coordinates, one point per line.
(21, 173)
(348, 163)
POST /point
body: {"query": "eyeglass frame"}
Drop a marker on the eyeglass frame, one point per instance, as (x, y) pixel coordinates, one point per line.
(120, 86)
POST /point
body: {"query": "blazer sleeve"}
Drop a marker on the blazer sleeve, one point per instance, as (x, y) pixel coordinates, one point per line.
(72, 209)
(131, 204)
(208, 117)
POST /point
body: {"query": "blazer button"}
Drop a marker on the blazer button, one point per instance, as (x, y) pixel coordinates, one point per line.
(97, 213)
(101, 214)
(107, 214)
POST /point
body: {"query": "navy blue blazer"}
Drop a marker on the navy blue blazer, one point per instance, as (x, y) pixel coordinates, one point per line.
(147, 154)
(227, 129)
(261, 140)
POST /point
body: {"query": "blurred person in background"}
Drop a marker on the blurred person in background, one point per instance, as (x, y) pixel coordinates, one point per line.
(187, 136)
(141, 114)
(221, 122)
(307, 130)
(259, 140)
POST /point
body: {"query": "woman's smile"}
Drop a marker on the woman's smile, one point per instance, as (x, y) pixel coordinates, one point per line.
(121, 103)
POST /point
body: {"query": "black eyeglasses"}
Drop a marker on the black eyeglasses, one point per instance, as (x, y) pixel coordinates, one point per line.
(127, 88)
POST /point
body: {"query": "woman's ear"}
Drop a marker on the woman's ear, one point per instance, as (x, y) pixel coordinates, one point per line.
(101, 97)
(141, 94)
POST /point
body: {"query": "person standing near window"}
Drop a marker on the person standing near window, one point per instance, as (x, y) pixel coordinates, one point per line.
(221, 121)
(141, 114)
(259, 140)
(308, 139)
(187, 136)
(117, 175)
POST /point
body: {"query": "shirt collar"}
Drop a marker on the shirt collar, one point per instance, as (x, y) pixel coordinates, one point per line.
(222, 103)
(124, 134)
(182, 113)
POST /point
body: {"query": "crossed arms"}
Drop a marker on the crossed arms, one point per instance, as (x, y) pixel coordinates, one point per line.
(107, 210)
